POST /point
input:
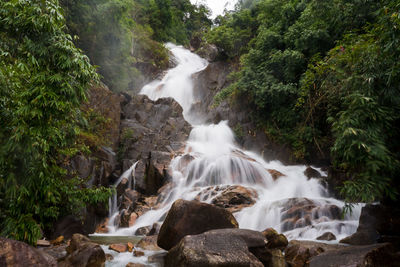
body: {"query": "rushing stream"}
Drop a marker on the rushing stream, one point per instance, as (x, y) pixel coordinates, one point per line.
(293, 204)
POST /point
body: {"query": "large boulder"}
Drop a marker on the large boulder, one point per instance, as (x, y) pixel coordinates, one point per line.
(378, 223)
(231, 197)
(376, 255)
(192, 218)
(222, 247)
(299, 253)
(83, 253)
(153, 132)
(16, 253)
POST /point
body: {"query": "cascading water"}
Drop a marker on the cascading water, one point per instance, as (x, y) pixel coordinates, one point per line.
(293, 204)
(113, 210)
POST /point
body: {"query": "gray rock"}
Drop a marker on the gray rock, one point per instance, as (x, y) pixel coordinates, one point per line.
(153, 132)
(327, 236)
(376, 255)
(82, 252)
(16, 253)
(222, 247)
(191, 218)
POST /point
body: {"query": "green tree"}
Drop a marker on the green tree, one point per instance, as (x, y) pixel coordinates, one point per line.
(43, 80)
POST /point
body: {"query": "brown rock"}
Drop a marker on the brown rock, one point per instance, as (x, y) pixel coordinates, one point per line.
(130, 246)
(275, 174)
(143, 230)
(191, 218)
(103, 227)
(148, 243)
(375, 255)
(109, 257)
(132, 219)
(312, 173)
(57, 241)
(270, 233)
(299, 253)
(83, 252)
(138, 253)
(279, 242)
(299, 212)
(15, 253)
(119, 247)
(221, 247)
(328, 236)
(235, 198)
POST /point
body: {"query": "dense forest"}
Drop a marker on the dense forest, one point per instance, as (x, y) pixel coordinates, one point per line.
(323, 77)
(44, 78)
(320, 76)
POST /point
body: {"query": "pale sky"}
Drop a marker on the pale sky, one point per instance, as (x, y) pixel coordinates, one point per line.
(217, 6)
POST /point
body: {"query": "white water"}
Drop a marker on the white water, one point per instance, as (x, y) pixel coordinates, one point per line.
(113, 209)
(217, 161)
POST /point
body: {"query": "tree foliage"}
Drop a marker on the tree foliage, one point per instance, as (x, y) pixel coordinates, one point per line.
(43, 80)
(123, 37)
(323, 76)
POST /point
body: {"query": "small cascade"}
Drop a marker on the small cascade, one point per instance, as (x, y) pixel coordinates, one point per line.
(113, 210)
(283, 197)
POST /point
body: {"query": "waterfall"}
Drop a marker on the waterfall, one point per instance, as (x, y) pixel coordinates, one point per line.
(294, 204)
(113, 210)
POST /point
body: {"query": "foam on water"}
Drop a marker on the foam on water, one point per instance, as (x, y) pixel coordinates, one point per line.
(213, 160)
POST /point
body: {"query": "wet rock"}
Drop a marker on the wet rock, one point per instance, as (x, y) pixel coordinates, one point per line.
(16, 253)
(143, 230)
(191, 218)
(275, 240)
(279, 242)
(299, 253)
(312, 173)
(57, 252)
(234, 198)
(376, 255)
(82, 252)
(129, 199)
(153, 132)
(275, 174)
(222, 247)
(128, 219)
(148, 243)
(102, 228)
(138, 253)
(158, 258)
(119, 247)
(269, 257)
(164, 192)
(367, 231)
(270, 233)
(109, 257)
(328, 236)
(300, 212)
(130, 246)
(209, 52)
(155, 229)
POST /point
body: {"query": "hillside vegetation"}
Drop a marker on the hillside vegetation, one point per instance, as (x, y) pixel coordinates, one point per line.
(323, 77)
